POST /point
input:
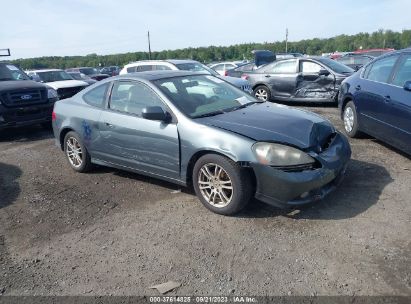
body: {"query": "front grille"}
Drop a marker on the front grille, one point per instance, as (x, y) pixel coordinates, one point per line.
(300, 168)
(68, 92)
(24, 97)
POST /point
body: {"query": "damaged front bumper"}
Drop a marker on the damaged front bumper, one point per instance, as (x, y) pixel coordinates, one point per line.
(285, 189)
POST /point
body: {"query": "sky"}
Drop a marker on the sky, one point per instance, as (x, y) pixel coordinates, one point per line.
(35, 28)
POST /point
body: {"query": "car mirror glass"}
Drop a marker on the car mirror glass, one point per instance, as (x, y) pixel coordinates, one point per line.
(154, 113)
(407, 86)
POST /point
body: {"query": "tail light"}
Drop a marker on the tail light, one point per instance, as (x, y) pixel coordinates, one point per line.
(53, 116)
(245, 76)
(225, 73)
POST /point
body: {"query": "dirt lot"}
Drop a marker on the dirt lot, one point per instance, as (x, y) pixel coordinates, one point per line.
(112, 232)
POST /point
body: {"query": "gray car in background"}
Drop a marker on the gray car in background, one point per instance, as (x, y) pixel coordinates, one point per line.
(196, 129)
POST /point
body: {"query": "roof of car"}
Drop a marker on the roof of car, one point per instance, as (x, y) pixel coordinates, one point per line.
(44, 70)
(172, 61)
(155, 75)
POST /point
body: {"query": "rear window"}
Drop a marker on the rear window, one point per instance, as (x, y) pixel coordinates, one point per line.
(97, 96)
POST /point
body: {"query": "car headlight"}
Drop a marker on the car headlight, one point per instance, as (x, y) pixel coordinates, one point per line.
(52, 93)
(280, 155)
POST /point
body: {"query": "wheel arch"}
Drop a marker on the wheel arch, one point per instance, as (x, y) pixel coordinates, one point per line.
(63, 133)
(196, 156)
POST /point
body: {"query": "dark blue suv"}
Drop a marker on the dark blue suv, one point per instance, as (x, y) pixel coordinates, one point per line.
(377, 100)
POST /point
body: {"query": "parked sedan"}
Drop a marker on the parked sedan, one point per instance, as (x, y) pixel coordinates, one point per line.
(90, 72)
(229, 146)
(82, 77)
(377, 100)
(299, 79)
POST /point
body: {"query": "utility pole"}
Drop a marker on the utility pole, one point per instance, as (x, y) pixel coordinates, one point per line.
(286, 40)
(149, 46)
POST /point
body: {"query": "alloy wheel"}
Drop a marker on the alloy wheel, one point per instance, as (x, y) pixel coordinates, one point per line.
(74, 152)
(348, 119)
(261, 94)
(215, 185)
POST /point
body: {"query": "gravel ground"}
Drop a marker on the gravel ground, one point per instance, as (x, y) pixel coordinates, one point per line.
(111, 232)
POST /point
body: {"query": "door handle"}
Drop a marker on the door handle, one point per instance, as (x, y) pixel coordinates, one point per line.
(267, 76)
(387, 98)
(109, 125)
(358, 87)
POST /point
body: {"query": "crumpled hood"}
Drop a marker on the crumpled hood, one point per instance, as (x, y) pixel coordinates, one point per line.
(66, 84)
(275, 123)
(20, 85)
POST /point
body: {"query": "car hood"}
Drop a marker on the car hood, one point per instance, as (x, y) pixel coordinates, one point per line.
(238, 82)
(20, 85)
(275, 123)
(66, 84)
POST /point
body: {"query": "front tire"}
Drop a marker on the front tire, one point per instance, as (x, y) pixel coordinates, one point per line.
(221, 184)
(76, 153)
(262, 93)
(350, 119)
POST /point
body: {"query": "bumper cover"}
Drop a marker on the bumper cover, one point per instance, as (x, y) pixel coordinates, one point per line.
(286, 189)
(27, 115)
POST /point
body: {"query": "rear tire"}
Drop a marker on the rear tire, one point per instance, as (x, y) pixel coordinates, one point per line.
(262, 93)
(76, 153)
(221, 184)
(351, 120)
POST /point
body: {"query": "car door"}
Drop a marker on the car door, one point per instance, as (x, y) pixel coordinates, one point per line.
(134, 142)
(280, 77)
(312, 85)
(371, 94)
(399, 101)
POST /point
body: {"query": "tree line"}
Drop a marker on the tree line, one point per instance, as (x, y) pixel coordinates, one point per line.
(316, 46)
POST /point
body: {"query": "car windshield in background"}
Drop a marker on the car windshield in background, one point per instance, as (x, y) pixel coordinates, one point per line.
(11, 72)
(195, 67)
(203, 95)
(89, 71)
(336, 66)
(52, 76)
(76, 76)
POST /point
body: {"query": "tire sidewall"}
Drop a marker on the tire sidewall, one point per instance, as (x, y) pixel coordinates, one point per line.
(354, 132)
(240, 196)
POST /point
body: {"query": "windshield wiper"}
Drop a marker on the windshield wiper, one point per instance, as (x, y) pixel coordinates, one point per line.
(244, 105)
(209, 114)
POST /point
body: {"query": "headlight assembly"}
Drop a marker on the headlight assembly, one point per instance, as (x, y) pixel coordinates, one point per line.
(280, 155)
(51, 93)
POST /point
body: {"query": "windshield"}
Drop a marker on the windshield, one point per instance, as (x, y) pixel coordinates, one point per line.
(89, 71)
(11, 72)
(336, 66)
(203, 95)
(196, 67)
(52, 76)
(76, 76)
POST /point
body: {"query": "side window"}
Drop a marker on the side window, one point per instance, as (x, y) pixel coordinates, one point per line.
(229, 66)
(310, 67)
(404, 71)
(282, 67)
(160, 67)
(97, 96)
(133, 97)
(381, 70)
(143, 68)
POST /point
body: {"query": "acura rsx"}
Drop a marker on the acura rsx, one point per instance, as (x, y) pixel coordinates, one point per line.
(196, 129)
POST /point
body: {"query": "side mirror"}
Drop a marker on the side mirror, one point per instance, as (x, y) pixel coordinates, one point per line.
(407, 86)
(154, 113)
(35, 78)
(323, 72)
